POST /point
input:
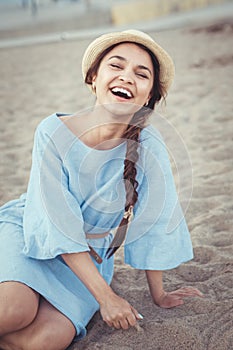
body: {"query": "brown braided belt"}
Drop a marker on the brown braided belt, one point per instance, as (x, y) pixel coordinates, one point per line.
(92, 251)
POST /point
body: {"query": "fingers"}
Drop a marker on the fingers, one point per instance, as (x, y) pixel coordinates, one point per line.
(117, 324)
(122, 323)
(109, 322)
(125, 321)
(128, 320)
(175, 298)
(187, 292)
(197, 292)
(137, 315)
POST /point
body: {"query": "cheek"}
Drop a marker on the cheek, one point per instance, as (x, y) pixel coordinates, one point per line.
(102, 78)
(146, 89)
(150, 87)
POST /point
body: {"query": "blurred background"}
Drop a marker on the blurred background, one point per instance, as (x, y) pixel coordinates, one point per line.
(38, 17)
(43, 16)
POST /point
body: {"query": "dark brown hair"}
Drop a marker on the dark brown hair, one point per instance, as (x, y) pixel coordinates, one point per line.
(132, 134)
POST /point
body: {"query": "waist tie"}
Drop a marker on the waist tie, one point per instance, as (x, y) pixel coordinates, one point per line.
(92, 251)
(97, 235)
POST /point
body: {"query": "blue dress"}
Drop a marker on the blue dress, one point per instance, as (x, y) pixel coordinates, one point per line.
(73, 190)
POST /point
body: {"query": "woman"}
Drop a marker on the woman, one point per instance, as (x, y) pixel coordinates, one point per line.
(91, 173)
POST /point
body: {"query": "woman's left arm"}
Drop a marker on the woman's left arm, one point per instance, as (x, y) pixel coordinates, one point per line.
(168, 299)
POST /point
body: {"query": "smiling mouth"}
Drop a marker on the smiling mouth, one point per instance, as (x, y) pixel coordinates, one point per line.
(123, 93)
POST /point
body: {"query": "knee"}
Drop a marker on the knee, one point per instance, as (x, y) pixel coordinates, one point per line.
(15, 316)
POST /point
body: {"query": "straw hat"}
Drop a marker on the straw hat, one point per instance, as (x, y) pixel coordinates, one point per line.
(105, 41)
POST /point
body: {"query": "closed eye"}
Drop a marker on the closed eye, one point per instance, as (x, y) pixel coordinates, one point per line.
(142, 75)
(114, 65)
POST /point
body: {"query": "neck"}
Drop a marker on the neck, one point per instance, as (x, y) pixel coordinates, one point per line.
(105, 129)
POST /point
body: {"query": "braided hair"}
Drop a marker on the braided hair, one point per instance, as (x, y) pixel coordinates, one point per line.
(132, 135)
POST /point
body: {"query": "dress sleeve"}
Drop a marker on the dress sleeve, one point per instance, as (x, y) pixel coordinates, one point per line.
(52, 222)
(158, 237)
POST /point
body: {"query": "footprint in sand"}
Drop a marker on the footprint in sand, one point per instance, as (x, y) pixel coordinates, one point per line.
(191, 273)
(203, 255)
(222, 240)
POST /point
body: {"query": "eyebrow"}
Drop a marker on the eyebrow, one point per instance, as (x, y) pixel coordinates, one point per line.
(124, 59)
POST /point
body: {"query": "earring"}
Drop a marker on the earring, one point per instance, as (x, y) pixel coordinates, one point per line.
(146, 104)
(94, 86)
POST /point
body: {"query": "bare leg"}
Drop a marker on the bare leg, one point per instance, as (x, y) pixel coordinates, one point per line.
(18, 306)
(50, 330)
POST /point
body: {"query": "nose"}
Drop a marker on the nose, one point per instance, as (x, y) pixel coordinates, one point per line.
(126, 77)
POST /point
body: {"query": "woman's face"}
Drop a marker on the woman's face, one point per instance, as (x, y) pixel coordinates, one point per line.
(125, 76)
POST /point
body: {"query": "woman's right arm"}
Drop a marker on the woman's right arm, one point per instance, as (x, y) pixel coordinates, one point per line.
(115, 311)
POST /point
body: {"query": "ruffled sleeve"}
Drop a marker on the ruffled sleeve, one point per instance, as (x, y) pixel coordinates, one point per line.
(158, 237)
(52, 222)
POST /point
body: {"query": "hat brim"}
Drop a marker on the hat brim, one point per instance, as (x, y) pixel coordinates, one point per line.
(105, 41)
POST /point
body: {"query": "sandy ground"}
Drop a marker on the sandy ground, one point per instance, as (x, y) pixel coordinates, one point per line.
(38, 80)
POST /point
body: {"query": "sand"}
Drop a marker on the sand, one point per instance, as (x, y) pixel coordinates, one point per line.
(39, 80)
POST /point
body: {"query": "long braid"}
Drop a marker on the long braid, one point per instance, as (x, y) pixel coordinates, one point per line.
(130, 171)
(132, 135)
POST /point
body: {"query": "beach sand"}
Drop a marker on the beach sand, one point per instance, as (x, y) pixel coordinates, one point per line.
(39, 80)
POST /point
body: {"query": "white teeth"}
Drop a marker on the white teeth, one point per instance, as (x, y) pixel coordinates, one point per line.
(123, 91)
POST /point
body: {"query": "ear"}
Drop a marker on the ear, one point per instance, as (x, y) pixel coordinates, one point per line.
(147, 101)
(148, 98)
(94, 84)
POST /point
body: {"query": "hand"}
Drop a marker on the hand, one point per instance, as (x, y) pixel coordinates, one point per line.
(118, 313)
(172, 299)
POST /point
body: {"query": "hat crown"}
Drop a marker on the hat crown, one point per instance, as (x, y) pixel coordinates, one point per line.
(138, 33)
